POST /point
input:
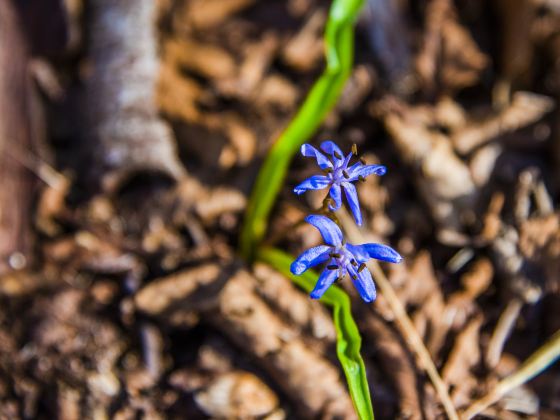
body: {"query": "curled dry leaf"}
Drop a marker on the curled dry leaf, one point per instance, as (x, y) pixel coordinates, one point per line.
(540, 242)
(206, 60)
(277, 90)
(398, 363)
(449, 57)
(161, 294)
(205, 14)
(305, 49)
(445, 181)
(237, 395)
(295, 305)
(464, 356)
(177, 95)
(525, 109)
(257, 59)
(254, 326)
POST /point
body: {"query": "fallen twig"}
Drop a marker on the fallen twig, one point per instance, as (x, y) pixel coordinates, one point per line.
(403, 321)
(502, 331)
(129, 135)
(535, 364)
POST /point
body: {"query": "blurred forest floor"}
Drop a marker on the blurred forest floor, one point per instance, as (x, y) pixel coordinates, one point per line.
(130, 135)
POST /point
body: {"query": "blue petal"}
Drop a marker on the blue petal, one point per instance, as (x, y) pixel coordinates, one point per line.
(310, 258)
(359, 252)
(364, 252)
(329, 230)
(326, 278)
(316, 182)
(330, 148)
(336, 195)
(352, 198)
(363, 282)
(358, 169)
(310, 151)
(347, 161)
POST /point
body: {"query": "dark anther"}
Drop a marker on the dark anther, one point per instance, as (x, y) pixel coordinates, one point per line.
(361, 178)
(337, 155)
(332, 267)
(354, 263)
(334, 255)
(355, 149)
(362, 161)
(328, 170)
(354, 277)
(361, 267)
(345, 174)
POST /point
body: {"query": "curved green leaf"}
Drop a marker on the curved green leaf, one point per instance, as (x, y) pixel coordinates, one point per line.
(339, 43)
(348, 340)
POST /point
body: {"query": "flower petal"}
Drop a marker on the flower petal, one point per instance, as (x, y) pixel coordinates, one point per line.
(336, 195)
(363, 283)
(310, 151)
(329, 230)
(326, 278)
(364, 252)
(359, 252)
(352, 198)
(357, 170)
(346, 161)
(310, 258)
(316, 182)
(330, 148)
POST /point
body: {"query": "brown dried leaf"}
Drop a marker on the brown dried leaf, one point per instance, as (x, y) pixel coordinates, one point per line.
(445, 180)
(449, 56)
(464, 355)
(254, 326)
(177, 95)
(205, 14)
(276, 90)
(525, 109)
(162, 294)
(305, 49)
(236, 394)
(257, 59)
(208, 60)
(305, 313)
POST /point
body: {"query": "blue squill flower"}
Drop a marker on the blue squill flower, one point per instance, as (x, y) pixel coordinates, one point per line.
(341, 258)
(338, 176)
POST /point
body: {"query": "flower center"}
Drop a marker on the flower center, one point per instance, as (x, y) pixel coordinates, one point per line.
(343, 257)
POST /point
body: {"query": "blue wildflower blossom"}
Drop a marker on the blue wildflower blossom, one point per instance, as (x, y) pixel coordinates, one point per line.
(338, 176)
(341, 258)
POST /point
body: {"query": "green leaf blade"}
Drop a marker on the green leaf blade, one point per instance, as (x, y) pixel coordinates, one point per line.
(348, 341)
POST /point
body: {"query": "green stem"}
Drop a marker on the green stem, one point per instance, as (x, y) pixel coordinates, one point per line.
(348, 340)
(339, 41)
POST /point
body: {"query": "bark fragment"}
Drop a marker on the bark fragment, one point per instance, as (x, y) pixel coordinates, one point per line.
(15, 141)
(128, 136)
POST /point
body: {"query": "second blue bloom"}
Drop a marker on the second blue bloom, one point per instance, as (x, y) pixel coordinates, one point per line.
(338, 176)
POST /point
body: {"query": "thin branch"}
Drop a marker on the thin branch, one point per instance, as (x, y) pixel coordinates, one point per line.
(404, 323)
(535, 364)
(502, 331)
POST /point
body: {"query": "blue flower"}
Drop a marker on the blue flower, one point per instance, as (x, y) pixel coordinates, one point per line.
(338, 176)
(341, 258)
